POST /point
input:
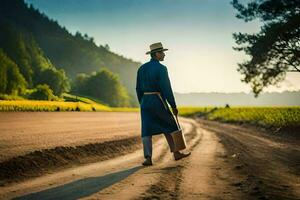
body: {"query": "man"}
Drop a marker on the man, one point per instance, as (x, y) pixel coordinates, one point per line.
(154, 90)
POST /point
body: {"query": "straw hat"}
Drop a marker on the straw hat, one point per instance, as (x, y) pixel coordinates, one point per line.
(156, 47)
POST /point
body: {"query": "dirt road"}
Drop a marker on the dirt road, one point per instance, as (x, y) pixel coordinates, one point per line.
(267, 166)
(24, 132)
(227, 162)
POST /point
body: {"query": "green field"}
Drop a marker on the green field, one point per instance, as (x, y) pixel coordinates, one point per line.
(263, 116)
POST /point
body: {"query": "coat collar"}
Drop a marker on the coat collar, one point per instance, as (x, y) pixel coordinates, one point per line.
(153, 60)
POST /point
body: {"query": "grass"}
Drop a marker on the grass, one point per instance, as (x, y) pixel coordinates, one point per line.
(31, 105)
(76, 98)
(10, 97)
(188, 111)
(96, 102)
(264, 116)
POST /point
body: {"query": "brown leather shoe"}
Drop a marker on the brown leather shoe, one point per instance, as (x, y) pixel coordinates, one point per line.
(179, 155)
(147, 162)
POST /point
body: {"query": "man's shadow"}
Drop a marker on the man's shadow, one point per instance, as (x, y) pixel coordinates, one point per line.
(83, 187)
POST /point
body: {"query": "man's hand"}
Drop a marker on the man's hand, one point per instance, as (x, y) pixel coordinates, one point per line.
(175, 111)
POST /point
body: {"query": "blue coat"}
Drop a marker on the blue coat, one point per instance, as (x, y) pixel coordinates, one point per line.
(156, 116)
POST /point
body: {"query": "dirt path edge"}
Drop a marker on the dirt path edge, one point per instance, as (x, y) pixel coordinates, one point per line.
(44, 161)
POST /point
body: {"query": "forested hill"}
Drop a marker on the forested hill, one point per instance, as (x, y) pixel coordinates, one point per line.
(74, 53)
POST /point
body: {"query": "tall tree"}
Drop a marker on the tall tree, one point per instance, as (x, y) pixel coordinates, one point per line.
(273, 51)
(13, 44)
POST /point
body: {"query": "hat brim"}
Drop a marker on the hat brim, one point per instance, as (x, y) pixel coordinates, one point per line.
(149, 52)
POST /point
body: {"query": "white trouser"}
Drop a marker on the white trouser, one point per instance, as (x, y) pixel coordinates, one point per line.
(147, 144)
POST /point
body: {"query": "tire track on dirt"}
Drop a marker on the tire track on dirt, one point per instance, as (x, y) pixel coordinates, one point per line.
(207, 175)
(141, 185)
(58, 181)
(41, 162)
(268, 168)
(168, 184)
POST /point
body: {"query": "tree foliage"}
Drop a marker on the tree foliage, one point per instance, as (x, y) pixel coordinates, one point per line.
(273, 51)
(55, 79)
(12, 81)
(42, 92)
(28, 61)
(103, 85)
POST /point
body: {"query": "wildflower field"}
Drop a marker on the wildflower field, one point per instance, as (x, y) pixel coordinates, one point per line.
(30, 105)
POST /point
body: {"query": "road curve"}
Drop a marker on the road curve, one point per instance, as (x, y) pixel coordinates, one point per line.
(227, 162)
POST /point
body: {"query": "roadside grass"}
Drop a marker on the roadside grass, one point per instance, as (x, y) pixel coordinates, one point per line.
(187, 111)
(278, 117)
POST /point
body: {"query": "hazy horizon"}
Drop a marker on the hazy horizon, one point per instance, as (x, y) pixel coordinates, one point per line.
(238, 99)
(198, 35)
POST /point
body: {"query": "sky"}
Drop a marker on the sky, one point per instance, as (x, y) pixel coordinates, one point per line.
(198, 34)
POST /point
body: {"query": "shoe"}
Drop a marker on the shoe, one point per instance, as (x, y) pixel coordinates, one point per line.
(179, 155)
(147, 162)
